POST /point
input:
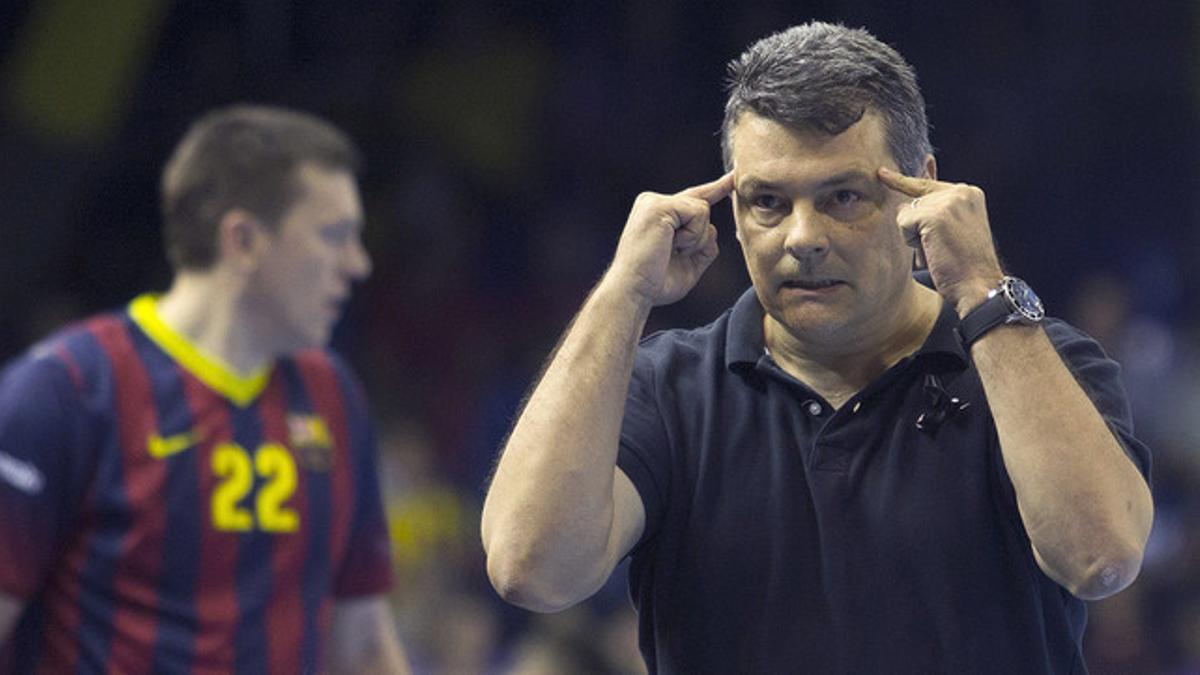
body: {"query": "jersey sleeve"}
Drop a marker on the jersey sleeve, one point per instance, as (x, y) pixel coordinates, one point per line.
(367, 567)
(1100, 378)
(644, 446)
(41, 421)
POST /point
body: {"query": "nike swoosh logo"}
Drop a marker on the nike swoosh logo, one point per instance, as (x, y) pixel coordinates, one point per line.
(161, 447)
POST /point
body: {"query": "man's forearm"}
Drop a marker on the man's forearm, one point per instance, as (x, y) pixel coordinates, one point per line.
(1085, 506)
(548, 518)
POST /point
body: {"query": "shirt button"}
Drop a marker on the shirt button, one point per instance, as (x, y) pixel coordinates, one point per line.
(857, 405)
(814, 408)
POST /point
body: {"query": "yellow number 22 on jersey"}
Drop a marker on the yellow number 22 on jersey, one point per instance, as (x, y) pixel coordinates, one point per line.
(236, 469)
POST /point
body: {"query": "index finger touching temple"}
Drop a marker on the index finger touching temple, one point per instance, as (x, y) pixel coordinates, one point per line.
(711, 192)
(909, 185)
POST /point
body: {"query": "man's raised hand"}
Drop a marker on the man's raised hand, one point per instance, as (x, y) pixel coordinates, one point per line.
(948, 223)
(668, 242)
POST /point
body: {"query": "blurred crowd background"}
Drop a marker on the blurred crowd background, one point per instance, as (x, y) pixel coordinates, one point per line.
(505, 142)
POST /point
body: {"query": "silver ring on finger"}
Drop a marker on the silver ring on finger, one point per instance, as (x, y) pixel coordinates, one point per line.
(914, 202)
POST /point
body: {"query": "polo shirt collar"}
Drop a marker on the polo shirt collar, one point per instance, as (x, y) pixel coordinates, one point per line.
(744, 340)
(745, 343)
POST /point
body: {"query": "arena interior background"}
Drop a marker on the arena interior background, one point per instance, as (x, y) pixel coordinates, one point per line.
(505, 142)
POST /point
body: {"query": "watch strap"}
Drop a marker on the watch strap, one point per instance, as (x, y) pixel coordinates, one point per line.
(996, 310)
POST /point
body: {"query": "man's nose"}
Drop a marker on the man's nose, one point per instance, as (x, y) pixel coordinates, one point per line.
(807, 235)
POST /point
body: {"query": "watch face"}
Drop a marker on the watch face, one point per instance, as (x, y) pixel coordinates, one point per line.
(1024, 300)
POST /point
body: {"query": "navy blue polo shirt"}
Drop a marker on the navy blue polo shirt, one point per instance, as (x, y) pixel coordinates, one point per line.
(783, 536)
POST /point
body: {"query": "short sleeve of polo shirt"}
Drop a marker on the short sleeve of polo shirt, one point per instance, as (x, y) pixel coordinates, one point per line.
(1100, 378)
(644, 453)
(367, 567)
(40, 429)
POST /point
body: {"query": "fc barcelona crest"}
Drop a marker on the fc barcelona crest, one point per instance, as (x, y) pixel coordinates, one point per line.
(311, 441)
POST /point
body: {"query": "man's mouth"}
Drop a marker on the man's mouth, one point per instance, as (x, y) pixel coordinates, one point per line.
(811, 284)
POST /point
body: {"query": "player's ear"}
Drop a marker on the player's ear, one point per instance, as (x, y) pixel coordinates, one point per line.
(241, 238)
(930, 167)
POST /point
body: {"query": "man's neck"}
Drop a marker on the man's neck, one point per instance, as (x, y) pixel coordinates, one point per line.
(208, 309)
(839, 369)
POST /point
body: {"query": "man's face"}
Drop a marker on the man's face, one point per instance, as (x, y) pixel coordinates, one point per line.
(312, 259)
(818, 229)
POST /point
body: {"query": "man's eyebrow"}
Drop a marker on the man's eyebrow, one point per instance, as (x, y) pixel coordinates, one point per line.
(752, 184)
(849, 176)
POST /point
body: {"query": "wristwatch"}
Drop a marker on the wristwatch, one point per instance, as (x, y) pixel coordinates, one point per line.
(1013, 301)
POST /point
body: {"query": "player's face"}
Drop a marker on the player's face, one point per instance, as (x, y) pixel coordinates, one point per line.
(818, 230)
(313, 258)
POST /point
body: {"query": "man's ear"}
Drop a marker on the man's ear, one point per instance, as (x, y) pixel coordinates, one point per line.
(930, 167)
(733, 208)
(241, 239)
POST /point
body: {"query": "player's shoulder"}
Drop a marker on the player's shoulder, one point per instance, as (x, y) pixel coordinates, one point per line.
(58, 369)
(78, 347)
(81, 331)
(326, 365)
(327, 376)
(323, 360)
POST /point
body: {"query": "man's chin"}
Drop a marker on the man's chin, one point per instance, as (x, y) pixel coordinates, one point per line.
(811, 323)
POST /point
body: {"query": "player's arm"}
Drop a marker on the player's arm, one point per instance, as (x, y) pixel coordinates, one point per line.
(1084, 504)
(10, 609)
(363, 638)
(42, 469)
(559, 515)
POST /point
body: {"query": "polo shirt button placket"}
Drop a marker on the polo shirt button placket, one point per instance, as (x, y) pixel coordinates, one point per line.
(813, 408)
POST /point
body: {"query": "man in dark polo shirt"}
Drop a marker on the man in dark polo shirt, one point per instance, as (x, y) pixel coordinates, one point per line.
(850, 471)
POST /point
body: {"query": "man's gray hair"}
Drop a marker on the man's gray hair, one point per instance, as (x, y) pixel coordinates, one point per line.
(821, 76)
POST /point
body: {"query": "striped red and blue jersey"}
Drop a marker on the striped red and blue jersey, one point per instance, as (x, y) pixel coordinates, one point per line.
(159, 513)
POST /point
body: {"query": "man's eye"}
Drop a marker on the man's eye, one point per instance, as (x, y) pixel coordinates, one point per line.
(846, 197)
(766, 202)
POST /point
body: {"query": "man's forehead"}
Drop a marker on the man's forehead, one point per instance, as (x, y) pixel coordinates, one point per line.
(869, 131)
(324, 194)
(765, 151)
(313, 173)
